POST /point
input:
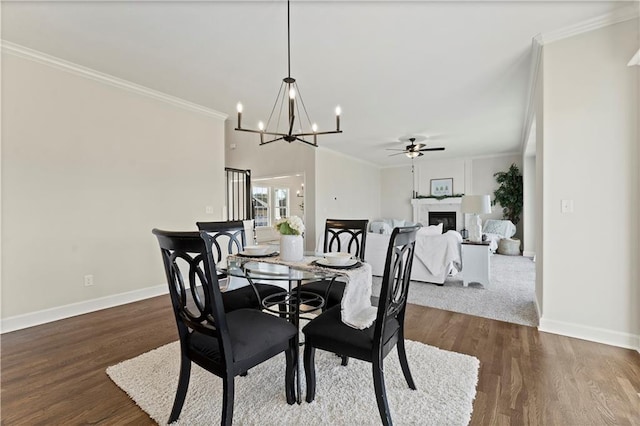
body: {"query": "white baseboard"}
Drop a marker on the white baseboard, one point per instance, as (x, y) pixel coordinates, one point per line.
(593, 334)
(529, 253)
(31, 319)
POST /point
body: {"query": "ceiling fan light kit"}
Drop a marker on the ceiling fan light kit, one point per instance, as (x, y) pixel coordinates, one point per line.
(289, 89)
(414, 149)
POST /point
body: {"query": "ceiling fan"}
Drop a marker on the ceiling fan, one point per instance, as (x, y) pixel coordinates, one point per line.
(414, 149)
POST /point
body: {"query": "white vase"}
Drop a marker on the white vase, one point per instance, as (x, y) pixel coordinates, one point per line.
(291, 248)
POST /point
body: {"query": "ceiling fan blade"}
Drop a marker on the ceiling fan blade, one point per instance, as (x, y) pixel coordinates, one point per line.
(431, 149)
(398, 153)
(415, 147)
(394, 149)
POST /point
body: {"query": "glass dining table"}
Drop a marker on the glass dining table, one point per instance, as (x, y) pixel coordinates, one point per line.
(293, 302)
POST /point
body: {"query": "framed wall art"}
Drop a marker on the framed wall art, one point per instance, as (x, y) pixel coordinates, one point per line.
(441, 187)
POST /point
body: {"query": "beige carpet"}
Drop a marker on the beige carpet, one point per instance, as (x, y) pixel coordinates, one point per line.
(446, 383)
(510, 297)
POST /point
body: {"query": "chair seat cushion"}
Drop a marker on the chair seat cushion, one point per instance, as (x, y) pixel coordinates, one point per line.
(328, 332)
(320, 287)
(255, 337)
(245, 297)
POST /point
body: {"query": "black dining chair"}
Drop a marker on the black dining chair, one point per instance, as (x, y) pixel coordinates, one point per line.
(328, 332)
(226, 344)
(229, 238)
(345, 235)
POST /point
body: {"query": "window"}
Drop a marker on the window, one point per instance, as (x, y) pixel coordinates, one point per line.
(261, 206)
(270, 204)
(281, 203)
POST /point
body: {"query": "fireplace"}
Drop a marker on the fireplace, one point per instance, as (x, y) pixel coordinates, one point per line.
(423, 207)
(448, 220)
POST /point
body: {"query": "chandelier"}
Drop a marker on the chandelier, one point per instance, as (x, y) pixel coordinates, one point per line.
(288, 89)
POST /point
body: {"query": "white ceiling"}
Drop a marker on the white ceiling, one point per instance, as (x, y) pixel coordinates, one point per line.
(456, 71)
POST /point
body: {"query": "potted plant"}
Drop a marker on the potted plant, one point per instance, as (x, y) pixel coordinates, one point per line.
(509, 193)
(291, 243)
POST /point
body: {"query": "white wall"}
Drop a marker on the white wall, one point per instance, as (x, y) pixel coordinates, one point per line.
(529, 205)
(591, 267)
(88, 169)
(540, 207)
(346, 188)
(395, 193)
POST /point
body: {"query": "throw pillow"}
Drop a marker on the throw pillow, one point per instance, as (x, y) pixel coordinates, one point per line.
(492, 226)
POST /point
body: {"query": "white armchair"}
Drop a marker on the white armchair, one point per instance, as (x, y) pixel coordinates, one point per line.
(495, 230)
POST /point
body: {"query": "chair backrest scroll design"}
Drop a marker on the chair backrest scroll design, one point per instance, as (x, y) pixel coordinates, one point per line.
(184, 253)
(346, 235)
(395, 281)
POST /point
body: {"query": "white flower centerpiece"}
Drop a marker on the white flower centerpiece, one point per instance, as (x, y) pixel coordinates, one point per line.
(291, 243)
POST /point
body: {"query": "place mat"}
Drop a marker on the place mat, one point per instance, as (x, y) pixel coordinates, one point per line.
(322, 265)
(272, 254)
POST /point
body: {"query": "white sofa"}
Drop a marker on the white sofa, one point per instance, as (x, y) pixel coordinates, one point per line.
(437, 255)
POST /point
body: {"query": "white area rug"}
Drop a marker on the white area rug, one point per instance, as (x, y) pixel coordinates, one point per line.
(446, 383)
(511, 296)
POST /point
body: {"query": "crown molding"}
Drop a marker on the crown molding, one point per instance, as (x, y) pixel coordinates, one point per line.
(622, 14)
(61, 64)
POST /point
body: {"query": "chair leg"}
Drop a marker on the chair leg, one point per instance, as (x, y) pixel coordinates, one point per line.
(345, 360)
(310, 371)
(289, 376)
(381, 393)
(181, 392)
(227, 400)
(402, 356)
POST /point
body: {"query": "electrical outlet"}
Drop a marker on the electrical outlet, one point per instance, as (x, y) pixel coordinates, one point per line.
(566, 206)
(88, 280)
(208, 209)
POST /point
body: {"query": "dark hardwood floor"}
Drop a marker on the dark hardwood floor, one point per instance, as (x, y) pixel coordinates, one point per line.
(55, 373)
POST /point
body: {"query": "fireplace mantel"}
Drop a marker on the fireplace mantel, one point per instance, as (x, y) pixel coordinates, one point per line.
(422, 207)
(450, 200)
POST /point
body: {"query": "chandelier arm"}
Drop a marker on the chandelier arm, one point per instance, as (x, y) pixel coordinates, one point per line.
(307, 142)
(272, 140)
(262, 132)
(328, 132)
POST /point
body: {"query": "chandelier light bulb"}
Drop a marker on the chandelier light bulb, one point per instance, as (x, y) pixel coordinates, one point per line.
(292, 93)
(239, 107)
(338, 110)
(314, 127)
(260, 125)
